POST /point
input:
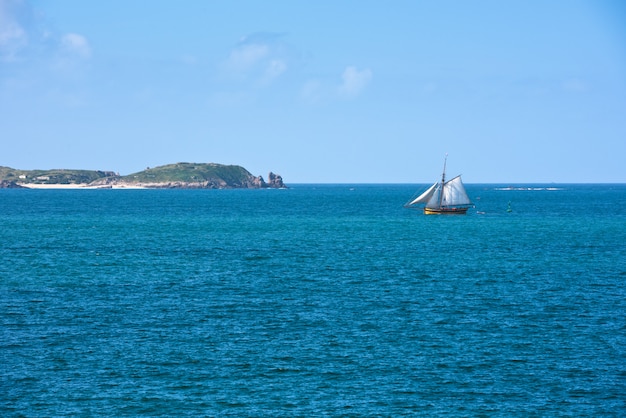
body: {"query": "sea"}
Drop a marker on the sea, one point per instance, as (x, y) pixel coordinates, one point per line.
(318, 300)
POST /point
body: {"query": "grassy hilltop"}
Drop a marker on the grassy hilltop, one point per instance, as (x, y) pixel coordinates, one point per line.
(191, 173)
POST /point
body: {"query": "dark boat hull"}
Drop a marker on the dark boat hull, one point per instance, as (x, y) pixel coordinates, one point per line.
(445, 211)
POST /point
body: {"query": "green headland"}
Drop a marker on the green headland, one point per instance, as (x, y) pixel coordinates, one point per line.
(179, 175)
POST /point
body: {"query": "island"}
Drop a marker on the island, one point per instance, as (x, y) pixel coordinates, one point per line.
(170, 176)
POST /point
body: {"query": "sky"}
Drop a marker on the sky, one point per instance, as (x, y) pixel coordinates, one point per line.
(518, 91)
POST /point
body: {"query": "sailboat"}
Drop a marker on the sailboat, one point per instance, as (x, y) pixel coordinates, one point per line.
(443, 198)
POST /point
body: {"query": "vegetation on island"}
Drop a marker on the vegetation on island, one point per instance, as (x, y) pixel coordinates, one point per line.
(179, 175)
(57, 176)
(191, 173)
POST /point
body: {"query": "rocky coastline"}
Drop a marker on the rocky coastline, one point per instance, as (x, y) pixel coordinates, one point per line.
(275, 181)
(172, 176)
(7, 184)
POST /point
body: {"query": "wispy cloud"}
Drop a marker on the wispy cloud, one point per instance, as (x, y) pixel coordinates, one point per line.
(76, 44)
(24, 35)
(13, 35)
(261, 58)
(354, 81)
(245, 57)
(275, 68)
(258, 60)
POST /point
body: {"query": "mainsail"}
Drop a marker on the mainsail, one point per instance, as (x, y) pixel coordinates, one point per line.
(444, 197)
(454, 194)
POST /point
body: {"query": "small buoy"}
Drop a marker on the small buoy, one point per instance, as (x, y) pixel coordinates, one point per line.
(508, 209)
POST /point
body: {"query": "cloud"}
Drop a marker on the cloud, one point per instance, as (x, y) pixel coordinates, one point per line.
(245, 57)
(260, 57)
(25, 36)
(13, 35)
(354, 81)
(275, 68)
(75, 44)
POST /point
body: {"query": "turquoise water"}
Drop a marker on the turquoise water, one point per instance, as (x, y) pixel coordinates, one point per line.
(328, 300)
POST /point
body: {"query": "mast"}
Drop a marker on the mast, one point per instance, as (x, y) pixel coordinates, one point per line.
(443, 179)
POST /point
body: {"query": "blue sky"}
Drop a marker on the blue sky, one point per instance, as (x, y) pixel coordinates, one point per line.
(325, 91)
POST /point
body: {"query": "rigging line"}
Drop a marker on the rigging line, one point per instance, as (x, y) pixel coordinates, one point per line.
(443, 179)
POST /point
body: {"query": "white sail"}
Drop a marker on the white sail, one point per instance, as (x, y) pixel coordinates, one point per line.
(424, 197)
(445, 197)
(454, 193)
(433, 202)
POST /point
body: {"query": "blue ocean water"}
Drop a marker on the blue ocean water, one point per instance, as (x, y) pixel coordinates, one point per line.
(319, 300)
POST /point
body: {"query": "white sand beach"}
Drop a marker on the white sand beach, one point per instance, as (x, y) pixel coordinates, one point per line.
(77, 186)
(54, 186)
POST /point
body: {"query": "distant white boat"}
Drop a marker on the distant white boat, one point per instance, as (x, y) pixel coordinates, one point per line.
(443, 198)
